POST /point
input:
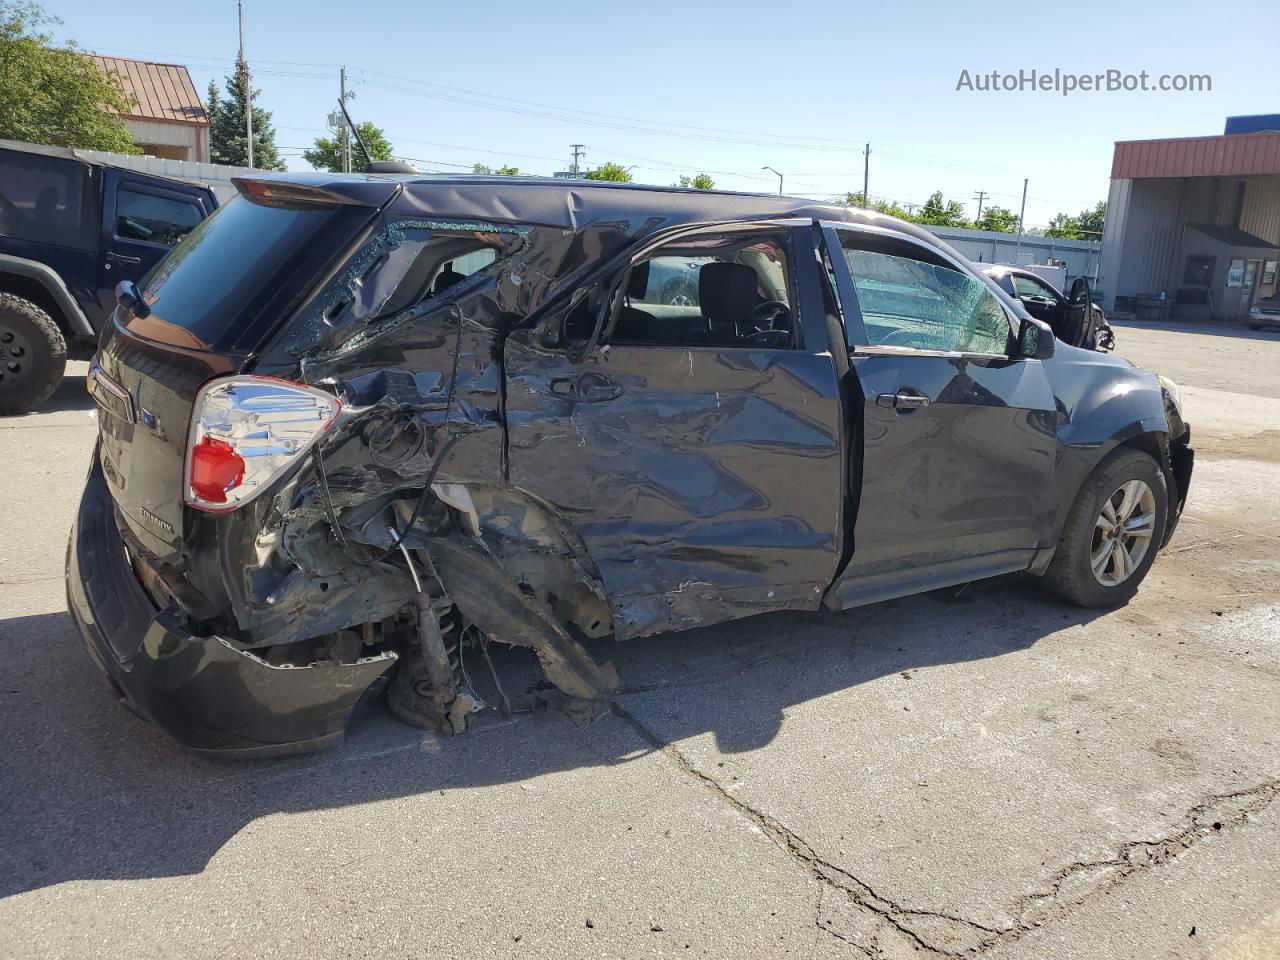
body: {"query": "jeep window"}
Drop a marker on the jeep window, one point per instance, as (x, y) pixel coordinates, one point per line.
(214, 284)
(154, 218)
(43, 199)
(721, 290)
(912, 304)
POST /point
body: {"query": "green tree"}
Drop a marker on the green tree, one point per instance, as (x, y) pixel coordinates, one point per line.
(997, 218)
(701, 182)
(500, 172)
(227, 140)
(937, 212)
(890, 207)
(327, 153)
(610, 171)
(1085, 226)
(55, 95)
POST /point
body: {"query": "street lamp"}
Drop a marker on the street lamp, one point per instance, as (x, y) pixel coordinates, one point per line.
(778, 175)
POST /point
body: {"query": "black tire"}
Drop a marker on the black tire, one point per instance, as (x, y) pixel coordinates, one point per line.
(1071, 575)
(1255, 326)
(33, 355)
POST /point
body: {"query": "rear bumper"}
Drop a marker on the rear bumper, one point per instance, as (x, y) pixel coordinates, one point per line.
(204, 692)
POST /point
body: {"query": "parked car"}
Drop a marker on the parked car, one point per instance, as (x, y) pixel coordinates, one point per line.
(1265, 313)
(1075, 319)
(70, 230)
(354, 426)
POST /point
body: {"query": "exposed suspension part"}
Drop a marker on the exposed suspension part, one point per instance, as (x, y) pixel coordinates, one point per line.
(429, 689)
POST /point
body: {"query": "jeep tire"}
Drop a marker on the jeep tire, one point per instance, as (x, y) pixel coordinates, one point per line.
(33, 355)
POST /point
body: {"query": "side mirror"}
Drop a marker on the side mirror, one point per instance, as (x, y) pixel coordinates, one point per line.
(1035, 340)
(130, 299)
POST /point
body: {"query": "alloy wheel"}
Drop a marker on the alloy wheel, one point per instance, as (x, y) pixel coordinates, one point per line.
(1122, 533)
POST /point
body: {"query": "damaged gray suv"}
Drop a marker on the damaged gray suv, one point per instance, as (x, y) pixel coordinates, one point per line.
(354, 425)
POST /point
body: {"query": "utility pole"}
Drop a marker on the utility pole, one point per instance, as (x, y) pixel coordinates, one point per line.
(578, 153)
(346, 134)
(1021, 216)
(866, 176)
(980, 196)
(776, 174)
(248, 93)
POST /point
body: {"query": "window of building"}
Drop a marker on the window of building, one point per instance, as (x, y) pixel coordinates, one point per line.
(721, 290)
(154, 218)
(915, 305)
(1199, 271)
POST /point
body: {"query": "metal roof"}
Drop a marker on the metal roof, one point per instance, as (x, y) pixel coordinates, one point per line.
(161, 91)
(1236, 155)
(1231, 236)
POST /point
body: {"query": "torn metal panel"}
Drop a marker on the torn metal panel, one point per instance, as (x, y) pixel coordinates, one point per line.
(496, 605)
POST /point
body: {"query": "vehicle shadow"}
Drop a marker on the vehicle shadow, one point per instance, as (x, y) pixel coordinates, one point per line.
(70, 395)
(92, 792)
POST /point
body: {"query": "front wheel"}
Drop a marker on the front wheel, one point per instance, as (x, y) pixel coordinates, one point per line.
(1112, 533)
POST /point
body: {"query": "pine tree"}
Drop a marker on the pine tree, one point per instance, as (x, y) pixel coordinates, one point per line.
(227, 139)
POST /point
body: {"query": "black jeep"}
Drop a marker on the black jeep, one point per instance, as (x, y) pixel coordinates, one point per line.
(70, 230)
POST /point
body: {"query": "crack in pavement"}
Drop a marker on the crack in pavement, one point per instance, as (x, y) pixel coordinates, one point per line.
(901, 921)
(874, 922)
(1081, 881)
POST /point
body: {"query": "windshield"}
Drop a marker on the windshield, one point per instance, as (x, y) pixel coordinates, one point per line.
(209, 293)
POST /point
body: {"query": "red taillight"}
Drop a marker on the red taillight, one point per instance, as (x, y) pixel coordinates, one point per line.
(246, 433)
(215, 469)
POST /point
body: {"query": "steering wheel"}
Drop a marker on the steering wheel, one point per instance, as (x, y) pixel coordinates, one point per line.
(765, 316)
(770, 338)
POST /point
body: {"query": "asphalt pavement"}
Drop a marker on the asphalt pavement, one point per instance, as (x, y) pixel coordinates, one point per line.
(986, 772)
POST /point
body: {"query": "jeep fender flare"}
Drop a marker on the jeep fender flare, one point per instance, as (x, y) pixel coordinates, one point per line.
(48, 278)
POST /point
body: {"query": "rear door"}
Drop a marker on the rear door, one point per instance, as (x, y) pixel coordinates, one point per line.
(697, 445)
(959, 433)
(142, 220)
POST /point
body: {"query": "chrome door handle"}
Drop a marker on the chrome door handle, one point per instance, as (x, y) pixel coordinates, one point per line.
(902, 401)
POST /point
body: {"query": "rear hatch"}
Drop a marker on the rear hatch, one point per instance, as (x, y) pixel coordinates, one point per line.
(213, 301)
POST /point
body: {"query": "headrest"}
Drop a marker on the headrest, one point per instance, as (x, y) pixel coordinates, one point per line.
(639, 281)
(446, 278)
(727, 292)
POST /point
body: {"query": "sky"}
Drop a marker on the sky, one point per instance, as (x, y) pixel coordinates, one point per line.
(727, 88)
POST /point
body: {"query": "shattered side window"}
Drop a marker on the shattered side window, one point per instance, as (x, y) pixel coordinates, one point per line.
(406, 264)
(915, 305)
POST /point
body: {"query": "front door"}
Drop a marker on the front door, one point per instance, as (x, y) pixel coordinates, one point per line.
(697, 447)
(959, 434)
(1248, 285)
(141, 222)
